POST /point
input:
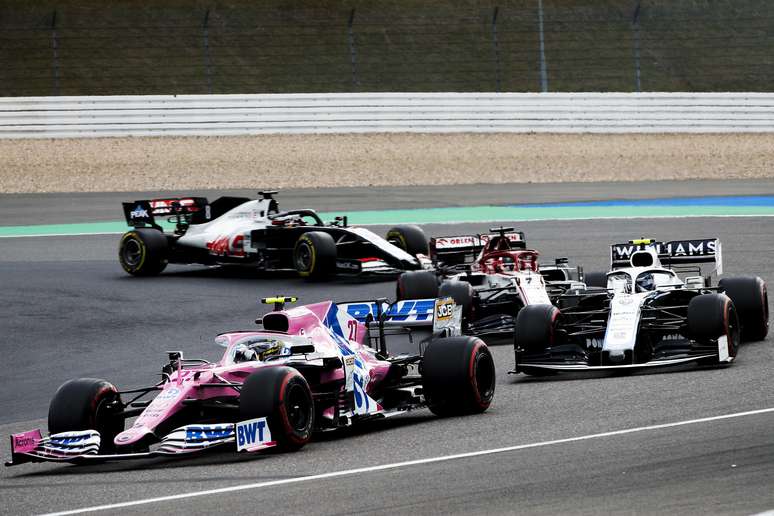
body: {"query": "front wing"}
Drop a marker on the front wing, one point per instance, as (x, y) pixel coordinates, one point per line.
(527, 366)
(82, 446)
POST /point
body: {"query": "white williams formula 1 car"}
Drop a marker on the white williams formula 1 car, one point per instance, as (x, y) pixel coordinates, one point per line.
(645, 314)
(241, 231)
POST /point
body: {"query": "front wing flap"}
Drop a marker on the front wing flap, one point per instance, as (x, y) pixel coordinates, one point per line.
(83, 446)
(547, 366)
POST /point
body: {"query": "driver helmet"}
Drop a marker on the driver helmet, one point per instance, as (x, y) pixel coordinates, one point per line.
(258, 351)
(527, 263)
(645, 282)
(244, 354)
(267, 349)
(507, 263)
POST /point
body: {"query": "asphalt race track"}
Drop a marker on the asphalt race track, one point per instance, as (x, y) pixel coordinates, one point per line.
(68, 310)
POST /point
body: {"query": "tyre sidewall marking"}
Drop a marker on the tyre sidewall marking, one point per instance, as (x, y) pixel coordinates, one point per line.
(289, 430)
(136, 237)
(764, 302)
(312, 251)
(732, 349)
(397, 235)
(472, 375)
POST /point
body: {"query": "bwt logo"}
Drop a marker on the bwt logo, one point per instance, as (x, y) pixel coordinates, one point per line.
(421, 310)
(208, 433)
(251, 433)
(69, 440)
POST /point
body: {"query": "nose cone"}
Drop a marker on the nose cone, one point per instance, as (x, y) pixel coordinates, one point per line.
(132, 435)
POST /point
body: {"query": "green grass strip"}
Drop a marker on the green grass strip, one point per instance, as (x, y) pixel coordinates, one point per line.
(483, 214)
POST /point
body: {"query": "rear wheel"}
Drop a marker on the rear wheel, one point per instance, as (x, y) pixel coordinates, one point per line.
(458, 376)
(143, 252)
(410, 238)
(314, 255)
(535, 331)
(283, 397)
(751, 301)
(712, 316)
(536, 328)
(417, 285)
(461, 292)
(87, 404)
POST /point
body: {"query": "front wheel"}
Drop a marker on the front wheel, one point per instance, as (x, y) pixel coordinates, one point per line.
(143, 252)
(416, 285)
(283, 397)
(711, 317)
(410, 238)
(751, 300)
(87, 404)
(458, 376)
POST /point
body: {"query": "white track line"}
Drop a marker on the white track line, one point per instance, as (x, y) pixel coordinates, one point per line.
(395, 465)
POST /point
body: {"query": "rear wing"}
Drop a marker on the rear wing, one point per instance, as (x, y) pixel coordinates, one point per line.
(406, 325)
(673, 253)
(465, 248)
(190, 210)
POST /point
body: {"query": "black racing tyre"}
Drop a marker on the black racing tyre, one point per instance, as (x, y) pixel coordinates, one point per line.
(710, 316)
(314, 255)
(417, 285)
(87, 404)
(751, 300)
(143, 252)
(536, 328)
(595, 279)
(458, 376)
(281, 395)
(461, 292)
(410, 238)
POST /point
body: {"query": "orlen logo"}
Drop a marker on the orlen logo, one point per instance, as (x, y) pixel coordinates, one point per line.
(463, 241)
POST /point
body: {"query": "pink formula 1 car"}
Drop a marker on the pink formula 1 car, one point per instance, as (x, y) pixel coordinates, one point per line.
(310, 368)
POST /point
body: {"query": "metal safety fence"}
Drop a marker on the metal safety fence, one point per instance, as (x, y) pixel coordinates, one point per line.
(509, 46)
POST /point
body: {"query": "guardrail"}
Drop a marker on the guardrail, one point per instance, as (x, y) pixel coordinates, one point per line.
(199, 115)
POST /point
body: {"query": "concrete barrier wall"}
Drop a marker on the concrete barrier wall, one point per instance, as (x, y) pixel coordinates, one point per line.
(212, 115)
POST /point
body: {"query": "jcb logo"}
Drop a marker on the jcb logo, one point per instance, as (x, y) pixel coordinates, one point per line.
(444, 308)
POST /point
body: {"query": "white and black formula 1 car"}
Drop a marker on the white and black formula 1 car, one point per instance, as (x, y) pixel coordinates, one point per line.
(492, 276)
(241, 231)
(646, 314)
